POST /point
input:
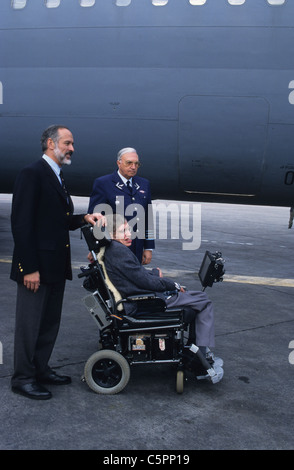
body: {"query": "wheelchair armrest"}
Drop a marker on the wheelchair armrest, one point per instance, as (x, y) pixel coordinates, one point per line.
(146, 302)
(140, 297)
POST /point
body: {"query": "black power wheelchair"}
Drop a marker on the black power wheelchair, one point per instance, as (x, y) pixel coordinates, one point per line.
(159, 335)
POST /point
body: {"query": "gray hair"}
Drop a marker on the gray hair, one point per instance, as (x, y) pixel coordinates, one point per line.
(51, 133)
(125, 150)
(114, 221)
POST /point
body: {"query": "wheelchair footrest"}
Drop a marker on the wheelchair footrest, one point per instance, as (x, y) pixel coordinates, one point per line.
(204, 369)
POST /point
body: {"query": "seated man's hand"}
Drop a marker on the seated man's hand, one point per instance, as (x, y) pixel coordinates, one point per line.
(160, 272)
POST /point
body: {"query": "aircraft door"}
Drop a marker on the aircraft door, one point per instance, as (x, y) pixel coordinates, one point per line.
(222, 144)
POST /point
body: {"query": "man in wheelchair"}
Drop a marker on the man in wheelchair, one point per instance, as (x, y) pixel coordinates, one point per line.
(131, 278)
(126, 276)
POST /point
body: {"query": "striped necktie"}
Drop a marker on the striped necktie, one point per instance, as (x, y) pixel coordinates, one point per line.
(63, 184)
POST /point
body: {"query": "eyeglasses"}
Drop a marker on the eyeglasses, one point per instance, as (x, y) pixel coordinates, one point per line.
(121, 233)
(128, 163)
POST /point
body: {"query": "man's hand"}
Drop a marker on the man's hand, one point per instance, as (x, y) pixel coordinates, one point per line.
(147, 256)
(93, 218)
(32, 281)
(159, 272)
(90, 257)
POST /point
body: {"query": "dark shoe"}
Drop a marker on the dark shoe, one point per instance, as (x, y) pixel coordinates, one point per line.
(32, 390)
(54, 379)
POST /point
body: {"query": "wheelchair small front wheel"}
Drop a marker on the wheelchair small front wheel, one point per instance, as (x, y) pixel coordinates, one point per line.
(180, 381)
(107, 372)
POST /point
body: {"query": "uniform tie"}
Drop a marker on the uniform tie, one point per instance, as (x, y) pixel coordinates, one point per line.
(129, 186)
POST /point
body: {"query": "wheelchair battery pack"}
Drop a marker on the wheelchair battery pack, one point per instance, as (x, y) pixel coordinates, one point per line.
(92, 304)
(152, 347)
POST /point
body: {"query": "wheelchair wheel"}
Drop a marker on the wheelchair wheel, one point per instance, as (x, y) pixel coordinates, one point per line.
(107, 372)
(180, 381)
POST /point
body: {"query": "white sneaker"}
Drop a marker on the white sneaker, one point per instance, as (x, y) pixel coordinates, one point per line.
(217, 361)
(219, 373)
(215, 374)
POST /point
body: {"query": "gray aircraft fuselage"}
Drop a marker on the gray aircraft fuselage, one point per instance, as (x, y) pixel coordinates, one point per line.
(205, 93)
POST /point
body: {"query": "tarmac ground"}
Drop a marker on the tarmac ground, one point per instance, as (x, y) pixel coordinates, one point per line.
(250, 409)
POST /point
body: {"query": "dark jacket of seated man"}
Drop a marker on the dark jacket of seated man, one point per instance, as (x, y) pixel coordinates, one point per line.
(131, 278)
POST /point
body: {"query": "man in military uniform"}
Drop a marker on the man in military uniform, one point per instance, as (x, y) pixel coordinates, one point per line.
(130, 195)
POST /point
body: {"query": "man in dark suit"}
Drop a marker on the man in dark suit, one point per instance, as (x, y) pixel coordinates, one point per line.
(42, 215)
(123, 190)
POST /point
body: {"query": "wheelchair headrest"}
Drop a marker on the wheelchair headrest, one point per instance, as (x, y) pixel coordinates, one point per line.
(96, 238)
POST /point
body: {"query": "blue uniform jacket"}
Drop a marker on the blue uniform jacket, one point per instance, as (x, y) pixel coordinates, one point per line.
(134, 205)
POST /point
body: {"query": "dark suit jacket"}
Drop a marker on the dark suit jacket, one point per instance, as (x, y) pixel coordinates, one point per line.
(129, 277)
(41, 218)
(107, 190)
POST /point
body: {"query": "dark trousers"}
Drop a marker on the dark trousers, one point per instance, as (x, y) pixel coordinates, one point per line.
(36, 328)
